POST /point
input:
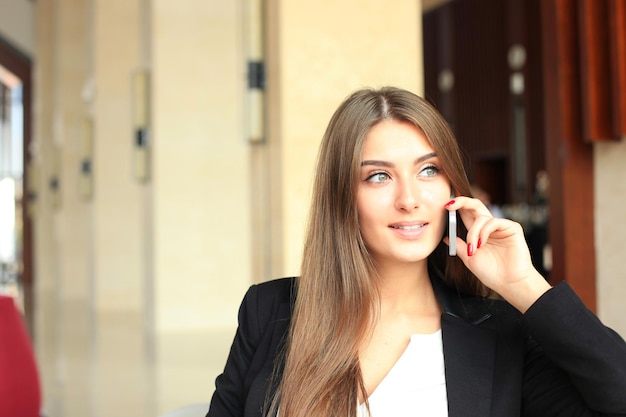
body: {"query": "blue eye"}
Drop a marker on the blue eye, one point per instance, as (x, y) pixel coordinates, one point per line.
(378, 177)
(430, 171)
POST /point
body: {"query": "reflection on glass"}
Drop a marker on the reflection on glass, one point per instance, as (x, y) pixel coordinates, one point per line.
(11, 180)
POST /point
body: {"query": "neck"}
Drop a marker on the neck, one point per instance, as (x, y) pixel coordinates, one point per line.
(407, 287)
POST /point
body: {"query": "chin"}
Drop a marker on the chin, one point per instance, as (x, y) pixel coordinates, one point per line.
(408, 258)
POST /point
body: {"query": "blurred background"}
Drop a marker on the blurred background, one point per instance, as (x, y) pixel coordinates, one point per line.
(156, 160)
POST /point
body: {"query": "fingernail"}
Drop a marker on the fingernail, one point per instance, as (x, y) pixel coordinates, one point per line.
(449, 203)
(470, 249)
(480, 242)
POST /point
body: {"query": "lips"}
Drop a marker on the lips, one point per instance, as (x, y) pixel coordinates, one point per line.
(409, 230)
(408, 227)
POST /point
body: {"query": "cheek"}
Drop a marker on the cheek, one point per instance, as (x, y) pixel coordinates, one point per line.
(368, 214)
(363, 211)
(436, 195)
(443, 225)
(436, 198)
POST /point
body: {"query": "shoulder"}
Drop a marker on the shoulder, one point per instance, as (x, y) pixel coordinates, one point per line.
(276, 287)
(276, 291)
(266, 303)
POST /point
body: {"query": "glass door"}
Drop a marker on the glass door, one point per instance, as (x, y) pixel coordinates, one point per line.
(11, 183)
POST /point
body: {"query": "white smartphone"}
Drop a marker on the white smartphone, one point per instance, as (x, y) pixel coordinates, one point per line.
(452, 232)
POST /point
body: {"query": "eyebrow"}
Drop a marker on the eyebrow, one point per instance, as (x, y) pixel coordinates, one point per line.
(390, 165)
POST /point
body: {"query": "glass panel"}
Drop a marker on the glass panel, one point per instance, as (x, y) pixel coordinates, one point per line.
(11, 180)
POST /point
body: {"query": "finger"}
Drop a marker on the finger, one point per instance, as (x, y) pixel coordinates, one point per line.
(497, 228)
(468, 204)
(469, 209)
(461, 248)
(477, 233)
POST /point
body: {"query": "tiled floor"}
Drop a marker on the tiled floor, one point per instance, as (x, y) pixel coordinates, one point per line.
(109, 365)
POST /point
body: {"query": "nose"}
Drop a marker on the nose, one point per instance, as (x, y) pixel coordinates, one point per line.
(407, 198)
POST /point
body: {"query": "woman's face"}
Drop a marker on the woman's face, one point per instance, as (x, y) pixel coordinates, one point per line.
(401, 194)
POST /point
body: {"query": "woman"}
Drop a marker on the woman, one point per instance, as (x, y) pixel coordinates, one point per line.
(383, 322)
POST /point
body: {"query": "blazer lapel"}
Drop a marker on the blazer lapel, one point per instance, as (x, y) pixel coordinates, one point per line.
(469, 353)
(469, 348)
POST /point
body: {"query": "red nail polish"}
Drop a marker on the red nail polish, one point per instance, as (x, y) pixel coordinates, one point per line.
(480, 242)
(470, 249)
(449, 203)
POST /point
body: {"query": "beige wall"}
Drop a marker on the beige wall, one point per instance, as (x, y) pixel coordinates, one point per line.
(117, 208)
(61, 220)
(17, 24)
(321, 57)
(610, 226)
(201, 192)
(202, 245)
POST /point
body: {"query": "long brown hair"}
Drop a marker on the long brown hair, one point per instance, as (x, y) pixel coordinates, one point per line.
(336, 295)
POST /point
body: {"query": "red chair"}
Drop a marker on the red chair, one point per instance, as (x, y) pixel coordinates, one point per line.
(20, 392)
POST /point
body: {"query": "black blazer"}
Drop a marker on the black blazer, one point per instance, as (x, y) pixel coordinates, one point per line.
(555, 360)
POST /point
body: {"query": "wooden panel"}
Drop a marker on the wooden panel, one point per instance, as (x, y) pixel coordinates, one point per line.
(569, 158)
(482, 32)
(534, 93)
(439, 50)
(595, 69)
(495, 126)
(482, 99)
(617, 41)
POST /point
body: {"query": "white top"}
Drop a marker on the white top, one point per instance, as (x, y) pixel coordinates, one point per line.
(415, 385)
